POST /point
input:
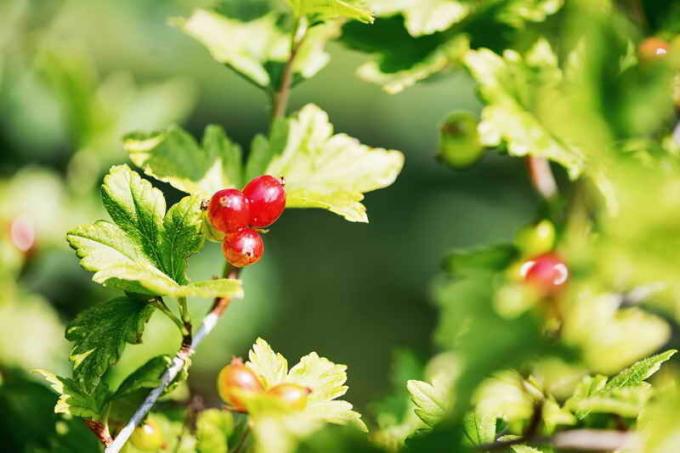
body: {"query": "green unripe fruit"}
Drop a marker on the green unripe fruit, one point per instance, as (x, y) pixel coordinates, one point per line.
(536, 239)
(459, 143)
(147, 437)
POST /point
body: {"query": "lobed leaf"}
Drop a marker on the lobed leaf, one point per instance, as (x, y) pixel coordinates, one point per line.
(332, 9)
(100, 333)
(328, 171)
(173, 156)
(146, 249)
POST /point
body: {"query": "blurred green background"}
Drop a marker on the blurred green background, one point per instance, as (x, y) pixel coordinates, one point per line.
(75, 75)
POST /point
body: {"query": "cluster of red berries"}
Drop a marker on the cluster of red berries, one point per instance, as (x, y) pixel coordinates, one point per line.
(237, 381)
(240, 214)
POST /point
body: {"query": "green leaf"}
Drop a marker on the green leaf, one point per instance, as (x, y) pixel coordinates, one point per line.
(100, 333)
(424, 17)
(145, 250)
(479, 429)
(263, 150)
(231, 42)
(173, 156)
(511, 86)
(432, 400)
(213, 427)
(640, 371)
(30, 424)
(483, 259)
(328, 171)
(147, 376)
(332, 9)
(659, 423)
(625, 394)
(75, 400)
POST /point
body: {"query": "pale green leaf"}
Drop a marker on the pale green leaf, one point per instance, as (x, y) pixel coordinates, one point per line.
(325, 378)
(271, 367)
(424, 17)
(432, 400)
(518, 12)
(323, 170)
(504, 396)
(173, 156)
(213, 427)
(659, 423)
(525, 449)
(610, 337)
(100, 333)
(510, 85)
(251, 48)
(332, 9)
(276, 426)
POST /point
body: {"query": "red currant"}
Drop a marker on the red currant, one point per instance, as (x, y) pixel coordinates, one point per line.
(292, 395)
(546, 272)
(653, 48)
(234, 380)
(267, 198)
(22, 234)
(147, 437)
(228, 210)
(243, 248)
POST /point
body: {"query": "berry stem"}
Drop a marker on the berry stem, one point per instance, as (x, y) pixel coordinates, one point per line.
(542, 177)
(162, 306)
(281, 96)
(186, 320)
(220, 304)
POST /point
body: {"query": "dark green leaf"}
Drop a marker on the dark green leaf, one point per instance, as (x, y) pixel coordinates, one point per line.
(100, 334)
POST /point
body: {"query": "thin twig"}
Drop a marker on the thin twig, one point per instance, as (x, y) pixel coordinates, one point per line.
(577, 439)
(281, 96)
(542, 176)
(101, 430)
(186, 351)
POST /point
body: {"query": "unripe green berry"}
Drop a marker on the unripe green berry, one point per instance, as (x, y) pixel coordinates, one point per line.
(536, 239)
(147, 437)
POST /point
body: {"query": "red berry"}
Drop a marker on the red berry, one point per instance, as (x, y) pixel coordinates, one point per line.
(228, 210)
(243, 248)
(653, 48)
(234, 380)
(22, 234)
(292, 395)
(546, 272)
(267, 198)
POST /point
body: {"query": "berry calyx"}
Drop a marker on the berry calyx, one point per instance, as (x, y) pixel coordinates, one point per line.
(292, 395)
(147, 437)
(653, 48)
(548, 273)
(228, 210)
(234, 380)
(267, 197)
(243, 248)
